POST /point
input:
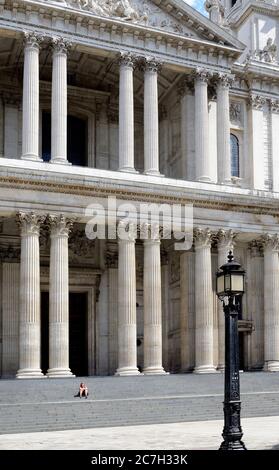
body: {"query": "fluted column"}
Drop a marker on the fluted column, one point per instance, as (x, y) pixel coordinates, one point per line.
(29, 316)
(152, 304)
(112, 266)
(187, 314)
(30, 105)
(256, 303)
(223, 128)
(204, 302)
(59, 297)
(271, 303)
(225, 244)
(127, 315)
(151, 117)
(59, 101)
(201, 126)
(126, 113)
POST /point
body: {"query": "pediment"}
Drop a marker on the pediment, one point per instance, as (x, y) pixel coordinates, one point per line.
(173, 16)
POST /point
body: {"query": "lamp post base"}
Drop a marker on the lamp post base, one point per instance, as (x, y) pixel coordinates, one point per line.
(232, 445)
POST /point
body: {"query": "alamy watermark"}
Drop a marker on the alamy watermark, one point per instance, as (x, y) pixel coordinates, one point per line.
(111, 219)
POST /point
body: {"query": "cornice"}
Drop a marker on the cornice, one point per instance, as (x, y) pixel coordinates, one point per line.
(257, 202)
(237, 17)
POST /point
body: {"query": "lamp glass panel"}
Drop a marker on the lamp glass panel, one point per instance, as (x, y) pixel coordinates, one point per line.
(237, 283)
(227, 282)
(220, 284)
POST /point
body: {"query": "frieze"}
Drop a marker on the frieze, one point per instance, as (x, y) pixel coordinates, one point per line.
(10, 253)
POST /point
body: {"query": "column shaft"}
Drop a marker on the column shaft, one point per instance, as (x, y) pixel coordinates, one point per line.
(201, 127)
(271, 303)
(30, 105)
(187, 319)
(59, 298)
(223, 130)
(126, 114)
(127, 318)
(59, 102)
(151, 118)
(204, 303)
(256, 304)
(152, 309)
(29, 326)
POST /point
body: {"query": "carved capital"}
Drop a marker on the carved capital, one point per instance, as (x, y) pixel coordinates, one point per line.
(60, 45)
(29, 223)
(256, 248)
(32, 39)
(274, 106)
(225, 238)
(202, 238)
(127, 59)
(59, 225)
(224, 80)
(151, 64)
(150, 232)
(270, 242)
(202, 75)
(126, 231)
(257, 102)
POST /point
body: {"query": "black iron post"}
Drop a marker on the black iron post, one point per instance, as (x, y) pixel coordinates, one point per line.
(232, 432)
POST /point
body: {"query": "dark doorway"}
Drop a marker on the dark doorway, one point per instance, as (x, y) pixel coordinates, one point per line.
(76, 139)
(78, 334)
(78, 342)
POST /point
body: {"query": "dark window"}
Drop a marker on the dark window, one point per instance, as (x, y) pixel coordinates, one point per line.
(234, 155)
(76, 139)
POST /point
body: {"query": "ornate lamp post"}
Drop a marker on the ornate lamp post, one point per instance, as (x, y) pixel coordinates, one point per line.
(230, 288)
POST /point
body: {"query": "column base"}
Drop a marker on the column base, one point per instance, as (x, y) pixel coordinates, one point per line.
(59, 161)
(221, 368)
(205, 370)
(30, 374)
(128, 170)
(153, 173)
(204, 179)
(126, 371)
(271, 366)
(60, 374)
(31, 157)
(154, 371)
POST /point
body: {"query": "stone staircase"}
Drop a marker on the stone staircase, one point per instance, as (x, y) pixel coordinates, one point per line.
(48, 405)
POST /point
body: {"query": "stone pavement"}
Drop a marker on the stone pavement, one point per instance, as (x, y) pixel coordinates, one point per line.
(259, 434)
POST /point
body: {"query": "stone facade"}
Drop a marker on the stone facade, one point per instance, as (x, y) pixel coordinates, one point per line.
(148, 102)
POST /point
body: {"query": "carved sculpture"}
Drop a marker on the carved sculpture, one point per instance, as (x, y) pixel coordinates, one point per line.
(267, 54)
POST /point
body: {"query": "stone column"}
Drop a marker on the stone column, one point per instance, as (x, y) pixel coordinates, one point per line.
(59, 101)
(201, 126)
(187, 314)
(59, 297)
(126, 113)
(256, 303)
(152, 303)
(223, 128)
(256, 142)
(112, 266)
(29, 316)
(151, 117)
(127, 318)
(164, 140)
(204, 302)
(165, 308)
(30, 107)
(274, 108)
(225, 244)
(271, 303)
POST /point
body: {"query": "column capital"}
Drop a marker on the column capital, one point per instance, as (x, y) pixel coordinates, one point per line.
(225, 238)
(202, 75)
(59, 225)
(224, 80)
(202, 238)
(256, 248)
(32, 39)
(257, 102)
(151, 64)
(150, 233)
(274, 106)
(127, 59)
(186, 87)
(126, 231)
(60, 45)
(29, 223)
(270, 242)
